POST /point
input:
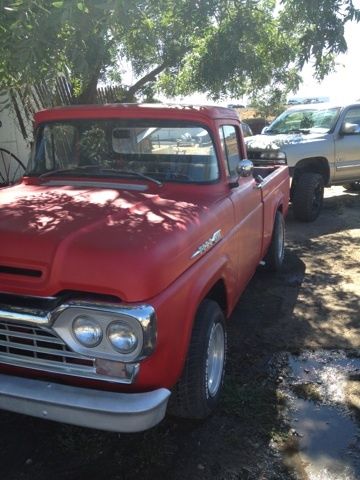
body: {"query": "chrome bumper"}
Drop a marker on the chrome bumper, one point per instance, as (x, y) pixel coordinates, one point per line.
(119, 412)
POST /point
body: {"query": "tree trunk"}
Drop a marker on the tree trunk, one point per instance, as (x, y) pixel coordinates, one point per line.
(129, 96)
(89, 94)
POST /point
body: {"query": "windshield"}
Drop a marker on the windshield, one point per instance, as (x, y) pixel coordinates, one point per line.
(158, 151)
(310, 120)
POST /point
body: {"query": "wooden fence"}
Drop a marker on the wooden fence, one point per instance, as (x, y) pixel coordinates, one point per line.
(25, 102)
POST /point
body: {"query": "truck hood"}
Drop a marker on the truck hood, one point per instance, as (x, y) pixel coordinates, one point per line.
(125, 243)
(282, 141)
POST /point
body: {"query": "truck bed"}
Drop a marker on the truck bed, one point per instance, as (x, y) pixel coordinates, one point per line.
(274, 184)
(263, 171)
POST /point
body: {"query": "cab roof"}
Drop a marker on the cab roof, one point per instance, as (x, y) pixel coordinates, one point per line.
(141, 111)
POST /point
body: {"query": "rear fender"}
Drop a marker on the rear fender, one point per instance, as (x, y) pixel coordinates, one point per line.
(274, 199)
(318, 165)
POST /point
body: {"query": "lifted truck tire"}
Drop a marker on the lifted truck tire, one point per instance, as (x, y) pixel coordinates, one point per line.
(197, 392)
(307, 198)
(275, 256)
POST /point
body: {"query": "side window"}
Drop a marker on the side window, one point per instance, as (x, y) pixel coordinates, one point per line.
(353, 117)
(230, 147)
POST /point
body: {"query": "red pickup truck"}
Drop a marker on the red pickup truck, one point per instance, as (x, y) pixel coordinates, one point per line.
(123, 252)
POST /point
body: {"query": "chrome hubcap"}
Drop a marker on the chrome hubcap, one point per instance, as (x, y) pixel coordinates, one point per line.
(281, 243)
(215, 359)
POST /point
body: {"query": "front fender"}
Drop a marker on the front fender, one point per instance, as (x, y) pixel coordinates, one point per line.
(176, 308)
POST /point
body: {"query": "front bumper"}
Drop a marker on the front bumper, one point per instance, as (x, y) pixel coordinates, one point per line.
(119, 412)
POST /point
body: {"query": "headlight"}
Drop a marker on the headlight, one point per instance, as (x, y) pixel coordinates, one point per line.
(122, 337)
(87, 331)
(108, 331)
(273, 155)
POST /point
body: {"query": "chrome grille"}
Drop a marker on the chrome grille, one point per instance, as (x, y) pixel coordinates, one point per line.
(41, 349)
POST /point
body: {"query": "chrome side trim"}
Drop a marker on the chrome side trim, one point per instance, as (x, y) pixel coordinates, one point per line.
(215, 238)
(119, 412)
(355, 164)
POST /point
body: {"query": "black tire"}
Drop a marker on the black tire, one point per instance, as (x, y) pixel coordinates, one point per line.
(194, 396)
(307, 198)
(274, 258)
(353, 186)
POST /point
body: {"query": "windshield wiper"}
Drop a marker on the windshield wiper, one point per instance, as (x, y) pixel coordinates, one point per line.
(272, 131)
(299, 130)
(130, 172)
(60, 171)
(98, 170)
(285, 132)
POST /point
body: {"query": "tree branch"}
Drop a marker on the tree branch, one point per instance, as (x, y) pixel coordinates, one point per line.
(151, 76)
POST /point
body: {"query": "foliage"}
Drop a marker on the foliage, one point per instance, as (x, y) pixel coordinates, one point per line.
(242, 51)
(39, 39)
(317, 27)
(222, 47)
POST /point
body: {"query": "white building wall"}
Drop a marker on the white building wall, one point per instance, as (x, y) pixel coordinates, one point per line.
(11, 137)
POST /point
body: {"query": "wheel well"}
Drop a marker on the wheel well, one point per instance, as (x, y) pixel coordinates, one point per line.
(219, 295)
(313, 165)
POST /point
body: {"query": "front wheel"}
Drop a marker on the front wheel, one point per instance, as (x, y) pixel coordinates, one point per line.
(198, 391)
(307, 197)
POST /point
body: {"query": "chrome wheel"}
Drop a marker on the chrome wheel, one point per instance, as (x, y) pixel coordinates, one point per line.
(198, 390)
(280, 240)
(215, 359)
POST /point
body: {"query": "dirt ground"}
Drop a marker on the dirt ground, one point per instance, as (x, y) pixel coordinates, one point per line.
(314, 303)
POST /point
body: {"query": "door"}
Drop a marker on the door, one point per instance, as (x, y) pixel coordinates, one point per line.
(246, 198)
(347, 147)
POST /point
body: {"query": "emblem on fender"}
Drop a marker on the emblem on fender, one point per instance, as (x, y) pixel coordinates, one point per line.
(215, 238)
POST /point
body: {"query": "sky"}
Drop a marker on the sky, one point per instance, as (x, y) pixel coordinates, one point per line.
(344, 84)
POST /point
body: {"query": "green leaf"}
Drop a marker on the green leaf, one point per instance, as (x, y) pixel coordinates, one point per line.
(57, 4)
(82, 7)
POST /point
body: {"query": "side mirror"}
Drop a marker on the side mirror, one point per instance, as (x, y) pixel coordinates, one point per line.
(349, 128)
(245, 168)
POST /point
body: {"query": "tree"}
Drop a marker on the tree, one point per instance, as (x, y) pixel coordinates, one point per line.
(317, 27)
(269, 103)
(223, 47)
